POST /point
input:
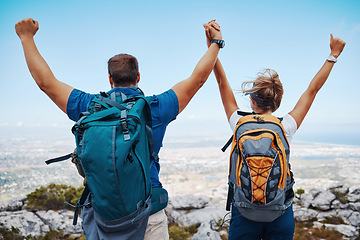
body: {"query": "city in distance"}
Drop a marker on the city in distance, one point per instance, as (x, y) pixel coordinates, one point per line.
(189, 165)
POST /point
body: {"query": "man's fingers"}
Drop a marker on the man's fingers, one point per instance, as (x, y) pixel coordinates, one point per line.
(331, 37)
(211, 21)
(215, 25)
(207, 31)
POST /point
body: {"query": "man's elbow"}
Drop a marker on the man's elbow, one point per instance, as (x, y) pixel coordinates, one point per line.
(42, 85)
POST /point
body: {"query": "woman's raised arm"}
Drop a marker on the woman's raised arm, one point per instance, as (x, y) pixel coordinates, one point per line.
(303, 105)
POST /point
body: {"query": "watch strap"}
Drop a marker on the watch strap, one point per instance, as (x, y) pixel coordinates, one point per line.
(331, 58)
(219, 42)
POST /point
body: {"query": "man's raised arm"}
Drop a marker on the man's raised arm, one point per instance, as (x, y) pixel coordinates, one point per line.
(57, 91)
(187, 88)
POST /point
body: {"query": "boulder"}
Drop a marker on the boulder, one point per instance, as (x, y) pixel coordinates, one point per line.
(61, 220)
(354, 196)
(304, 214)
(188, 202)
(346, 230)
(206, 233)
(187, 210)
(323, 200)
(341, 189)
(354, 219)
(205, 215)
(27, 222)
(15, 204)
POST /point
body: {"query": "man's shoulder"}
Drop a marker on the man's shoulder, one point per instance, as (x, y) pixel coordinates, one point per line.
(78, 102)
(165, 105)
(168, 95)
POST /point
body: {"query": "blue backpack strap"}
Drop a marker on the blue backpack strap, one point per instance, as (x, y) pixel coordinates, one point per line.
(151, 143)
(111, 103)
(149, 133)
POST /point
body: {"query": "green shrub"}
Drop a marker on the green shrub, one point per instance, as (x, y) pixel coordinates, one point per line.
(328, 234)
(53, 235)
(334, 220)
(340, 196)
(224, 236)
(12, 234)
(306, 231)
(53, 197)
(299, 192)
(178, 233)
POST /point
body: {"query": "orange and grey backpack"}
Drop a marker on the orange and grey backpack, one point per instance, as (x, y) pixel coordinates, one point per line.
(260, 179)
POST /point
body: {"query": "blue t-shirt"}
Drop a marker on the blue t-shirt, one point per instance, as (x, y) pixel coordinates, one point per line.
(164, 109)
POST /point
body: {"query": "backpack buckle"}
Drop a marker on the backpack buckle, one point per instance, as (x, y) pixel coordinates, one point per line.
(124, 125)
(259, 119)
(97, 107)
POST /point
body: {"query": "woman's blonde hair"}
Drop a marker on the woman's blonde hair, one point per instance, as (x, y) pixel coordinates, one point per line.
(266, 90)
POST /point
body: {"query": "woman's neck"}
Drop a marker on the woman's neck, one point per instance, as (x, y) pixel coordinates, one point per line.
(258, 111)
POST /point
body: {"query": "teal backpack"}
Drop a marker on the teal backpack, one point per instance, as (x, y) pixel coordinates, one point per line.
(114, 144)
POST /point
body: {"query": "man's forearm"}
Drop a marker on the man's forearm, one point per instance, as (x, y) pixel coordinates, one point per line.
(38, 67)
(187, 88)
(206, 64)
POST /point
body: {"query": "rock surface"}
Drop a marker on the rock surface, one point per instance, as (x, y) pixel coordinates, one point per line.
(335, 208)
(335, 204)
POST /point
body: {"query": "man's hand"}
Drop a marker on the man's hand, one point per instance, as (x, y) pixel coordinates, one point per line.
(26, 28)
(212, 31)
(336, 46)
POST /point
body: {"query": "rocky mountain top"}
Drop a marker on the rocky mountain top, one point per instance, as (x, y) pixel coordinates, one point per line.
(334, 208)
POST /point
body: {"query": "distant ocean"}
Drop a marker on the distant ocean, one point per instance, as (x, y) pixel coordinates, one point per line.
(188, 165)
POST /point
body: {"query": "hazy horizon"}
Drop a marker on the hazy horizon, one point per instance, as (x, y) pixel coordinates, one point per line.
(175, 137)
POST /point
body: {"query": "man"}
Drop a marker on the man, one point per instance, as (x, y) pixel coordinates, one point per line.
(123, 77)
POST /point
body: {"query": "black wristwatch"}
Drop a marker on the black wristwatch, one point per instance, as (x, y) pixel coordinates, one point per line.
(221, 43)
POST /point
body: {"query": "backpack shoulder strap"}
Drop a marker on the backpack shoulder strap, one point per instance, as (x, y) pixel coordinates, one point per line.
(227, 144)
(154, 155)
(241, 113)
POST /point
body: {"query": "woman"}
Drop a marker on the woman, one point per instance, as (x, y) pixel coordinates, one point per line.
(265, 95)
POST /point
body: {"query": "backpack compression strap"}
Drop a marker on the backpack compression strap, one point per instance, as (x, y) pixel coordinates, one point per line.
(80, 203)
(230, 196)
(58, 159)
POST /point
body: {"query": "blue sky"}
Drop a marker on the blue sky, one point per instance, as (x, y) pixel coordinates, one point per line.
(77, 38)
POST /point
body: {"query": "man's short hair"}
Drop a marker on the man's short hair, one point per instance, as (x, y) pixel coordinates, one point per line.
(123, 69)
